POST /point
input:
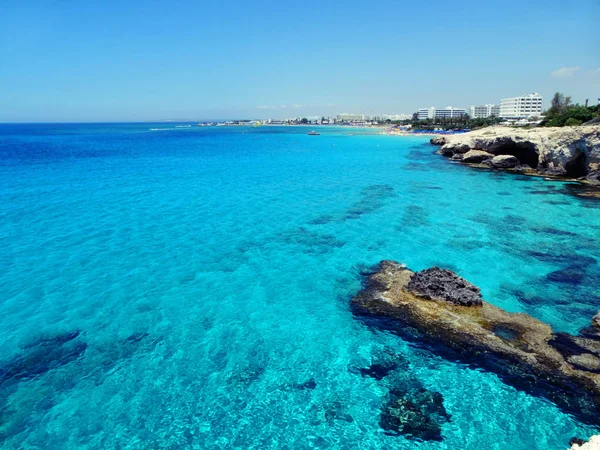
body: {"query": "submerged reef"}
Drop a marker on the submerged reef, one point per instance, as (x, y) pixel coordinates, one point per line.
(410, 409)
(440, 310)
(572, 152)
(43, 355)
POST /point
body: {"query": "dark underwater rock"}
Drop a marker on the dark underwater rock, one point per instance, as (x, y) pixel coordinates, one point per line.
(523, 351)
(416, 415)
(579, 444)
(570, 275)
(382, 365)
(411, 409)
(559, 257)
(310, 384)
(553, 231)
(575, 440)
(53, 341)
(43, 355)
(442, 284)
(372, 198)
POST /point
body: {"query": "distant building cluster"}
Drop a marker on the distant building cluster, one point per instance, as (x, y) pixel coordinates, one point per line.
(515, 108)
(361, 118)
(448, 112)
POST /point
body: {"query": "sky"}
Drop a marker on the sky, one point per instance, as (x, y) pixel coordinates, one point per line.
(76, 61)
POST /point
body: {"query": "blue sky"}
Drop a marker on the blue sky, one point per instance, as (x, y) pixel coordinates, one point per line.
(189, 60)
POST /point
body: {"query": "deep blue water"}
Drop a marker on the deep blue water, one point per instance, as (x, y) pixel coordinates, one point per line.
(209, 271)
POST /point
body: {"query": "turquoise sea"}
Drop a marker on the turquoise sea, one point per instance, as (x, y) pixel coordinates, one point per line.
(189, 288)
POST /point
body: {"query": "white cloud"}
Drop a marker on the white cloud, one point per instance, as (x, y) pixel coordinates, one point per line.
(564, 72)
(266, 107)
(297, 106)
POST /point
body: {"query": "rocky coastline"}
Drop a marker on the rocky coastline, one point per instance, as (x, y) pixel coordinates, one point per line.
(579, 444)
(438, 309)
(568, 152)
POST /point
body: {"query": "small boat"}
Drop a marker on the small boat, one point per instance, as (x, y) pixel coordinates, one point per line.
(313, 133)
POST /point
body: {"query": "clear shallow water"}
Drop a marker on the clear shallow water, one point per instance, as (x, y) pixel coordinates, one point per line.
(210, 271)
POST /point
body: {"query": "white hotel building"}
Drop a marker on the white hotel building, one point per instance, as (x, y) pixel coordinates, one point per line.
(484, 111)
(522, 107)
(434, 113)
(346, 117)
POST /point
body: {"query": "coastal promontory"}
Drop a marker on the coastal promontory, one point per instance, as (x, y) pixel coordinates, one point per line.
(572, 152)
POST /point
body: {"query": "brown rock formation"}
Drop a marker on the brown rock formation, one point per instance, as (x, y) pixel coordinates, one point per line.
(524, 351)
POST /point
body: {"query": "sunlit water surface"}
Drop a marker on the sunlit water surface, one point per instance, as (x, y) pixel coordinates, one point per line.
(209, 272)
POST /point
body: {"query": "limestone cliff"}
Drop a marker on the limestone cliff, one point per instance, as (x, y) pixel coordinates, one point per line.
(569, 151)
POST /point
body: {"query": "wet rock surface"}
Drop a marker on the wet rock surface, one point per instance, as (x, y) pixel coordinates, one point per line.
(593, 177)
(476, 156)
(504, 162)
(445, 285)
(438, 140)
(523, 351)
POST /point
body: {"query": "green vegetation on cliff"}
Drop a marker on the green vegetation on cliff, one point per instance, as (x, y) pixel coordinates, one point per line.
(562, 113)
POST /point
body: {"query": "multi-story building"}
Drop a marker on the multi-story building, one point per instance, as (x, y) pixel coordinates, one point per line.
(484, 111)
(426, 113)
(523, 107)
(434, 113)
(396, 117)
(350, 117)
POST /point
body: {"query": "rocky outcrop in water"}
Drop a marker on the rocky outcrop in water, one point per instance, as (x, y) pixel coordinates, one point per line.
(504, 162)
(569, 151)
(444, 285)
(438, 140)
(523, 351)
(476, 156)
(596, 321)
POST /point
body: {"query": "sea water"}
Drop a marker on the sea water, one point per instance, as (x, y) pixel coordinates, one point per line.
(209, 271)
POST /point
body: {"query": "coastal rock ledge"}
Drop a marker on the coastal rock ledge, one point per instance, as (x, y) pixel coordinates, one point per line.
(444, 312)
(592, 444)
(572, 152)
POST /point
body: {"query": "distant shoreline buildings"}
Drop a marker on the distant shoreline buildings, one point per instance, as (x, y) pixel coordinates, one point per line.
(448, 112)
(520, 109)
(515, 108)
